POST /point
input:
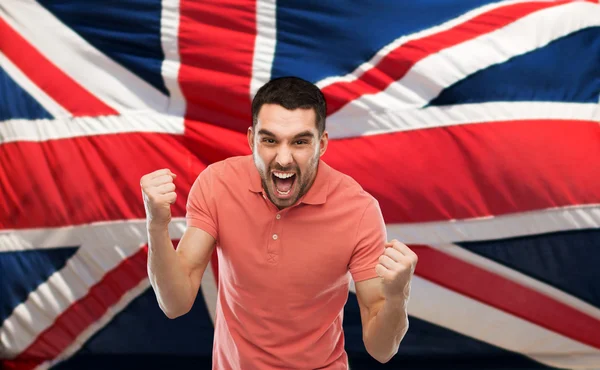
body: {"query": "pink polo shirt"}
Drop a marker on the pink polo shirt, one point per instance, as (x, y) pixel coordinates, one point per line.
(283, 275)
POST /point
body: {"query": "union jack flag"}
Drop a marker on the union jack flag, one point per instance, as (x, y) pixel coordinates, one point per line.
(476, 124)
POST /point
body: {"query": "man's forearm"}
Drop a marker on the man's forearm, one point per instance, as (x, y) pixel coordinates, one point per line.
(167, 274)
(386, 330)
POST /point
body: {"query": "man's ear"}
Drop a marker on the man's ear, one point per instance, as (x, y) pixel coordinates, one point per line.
(324, 142)
(251, 138)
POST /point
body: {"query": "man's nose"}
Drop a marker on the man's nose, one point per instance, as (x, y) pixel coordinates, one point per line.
(284, 156)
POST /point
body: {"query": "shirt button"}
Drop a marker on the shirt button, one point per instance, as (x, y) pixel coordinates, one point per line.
(275, 237)
(278, 216)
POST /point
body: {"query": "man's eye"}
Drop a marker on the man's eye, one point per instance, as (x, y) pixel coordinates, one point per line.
(301, 142)
(269, 141)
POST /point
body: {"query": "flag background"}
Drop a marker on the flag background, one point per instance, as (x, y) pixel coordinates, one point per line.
(474, 123)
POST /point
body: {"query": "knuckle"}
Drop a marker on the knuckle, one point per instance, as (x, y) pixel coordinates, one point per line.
(155, 198)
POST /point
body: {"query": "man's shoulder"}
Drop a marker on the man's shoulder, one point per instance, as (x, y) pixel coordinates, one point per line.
(223, 178)
(225, 175)
(232, 166)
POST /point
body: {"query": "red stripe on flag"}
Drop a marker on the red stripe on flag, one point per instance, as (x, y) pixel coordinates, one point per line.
(475, 170)
(216, 51)
(88, 179)
(399, 61)
(418, 176)
(81, 314)
(54, 82)
(506, 295)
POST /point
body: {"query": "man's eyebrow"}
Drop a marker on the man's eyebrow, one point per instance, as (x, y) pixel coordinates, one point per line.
(304, 134)
(265, 132)
(307, 134)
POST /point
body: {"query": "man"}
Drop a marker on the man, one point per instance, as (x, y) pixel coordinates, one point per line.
(288, 228)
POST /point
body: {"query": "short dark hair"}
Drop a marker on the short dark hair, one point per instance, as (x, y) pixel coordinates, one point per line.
(291, 93)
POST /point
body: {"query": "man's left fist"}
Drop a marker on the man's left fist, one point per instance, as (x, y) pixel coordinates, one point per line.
(396, 267)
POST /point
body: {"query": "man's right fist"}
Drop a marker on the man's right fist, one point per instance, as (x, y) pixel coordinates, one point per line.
(158, 192)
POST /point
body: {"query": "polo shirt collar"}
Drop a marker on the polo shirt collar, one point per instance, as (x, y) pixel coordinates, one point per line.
(317, 194)
(255, 180)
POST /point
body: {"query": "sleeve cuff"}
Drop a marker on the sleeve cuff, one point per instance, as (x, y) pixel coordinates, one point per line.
(364, 274)
(203, 225)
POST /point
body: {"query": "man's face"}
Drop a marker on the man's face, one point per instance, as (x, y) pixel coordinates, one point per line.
(286, 148)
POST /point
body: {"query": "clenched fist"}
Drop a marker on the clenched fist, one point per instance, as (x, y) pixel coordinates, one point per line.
(158, 192)
(396, 267)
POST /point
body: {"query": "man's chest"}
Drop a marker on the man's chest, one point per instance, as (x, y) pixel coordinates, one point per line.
(305, 251)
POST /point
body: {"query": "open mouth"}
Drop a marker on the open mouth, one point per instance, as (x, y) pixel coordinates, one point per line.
(284, 183)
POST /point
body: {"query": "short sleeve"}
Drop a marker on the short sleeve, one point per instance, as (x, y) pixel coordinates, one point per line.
(370, 243)
(201, 209)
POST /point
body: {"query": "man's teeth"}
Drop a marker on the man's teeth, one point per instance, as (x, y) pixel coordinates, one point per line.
(283, 175)
(283, 193)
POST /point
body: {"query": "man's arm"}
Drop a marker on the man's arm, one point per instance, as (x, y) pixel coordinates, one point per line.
(383, 301)
(175, 275)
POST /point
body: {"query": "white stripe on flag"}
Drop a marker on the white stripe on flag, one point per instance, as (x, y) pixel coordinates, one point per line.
(264, 47)
(449, 309)
(498, 227)
(472, 318)
(102, 247)
(51, 105)
(110, 82)
(169, 37)
(358, 72)
(70, 127)
(96, 326)
(366, 122)
(428, 77)
(519, 278)
(209, 291)
(549, 220)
